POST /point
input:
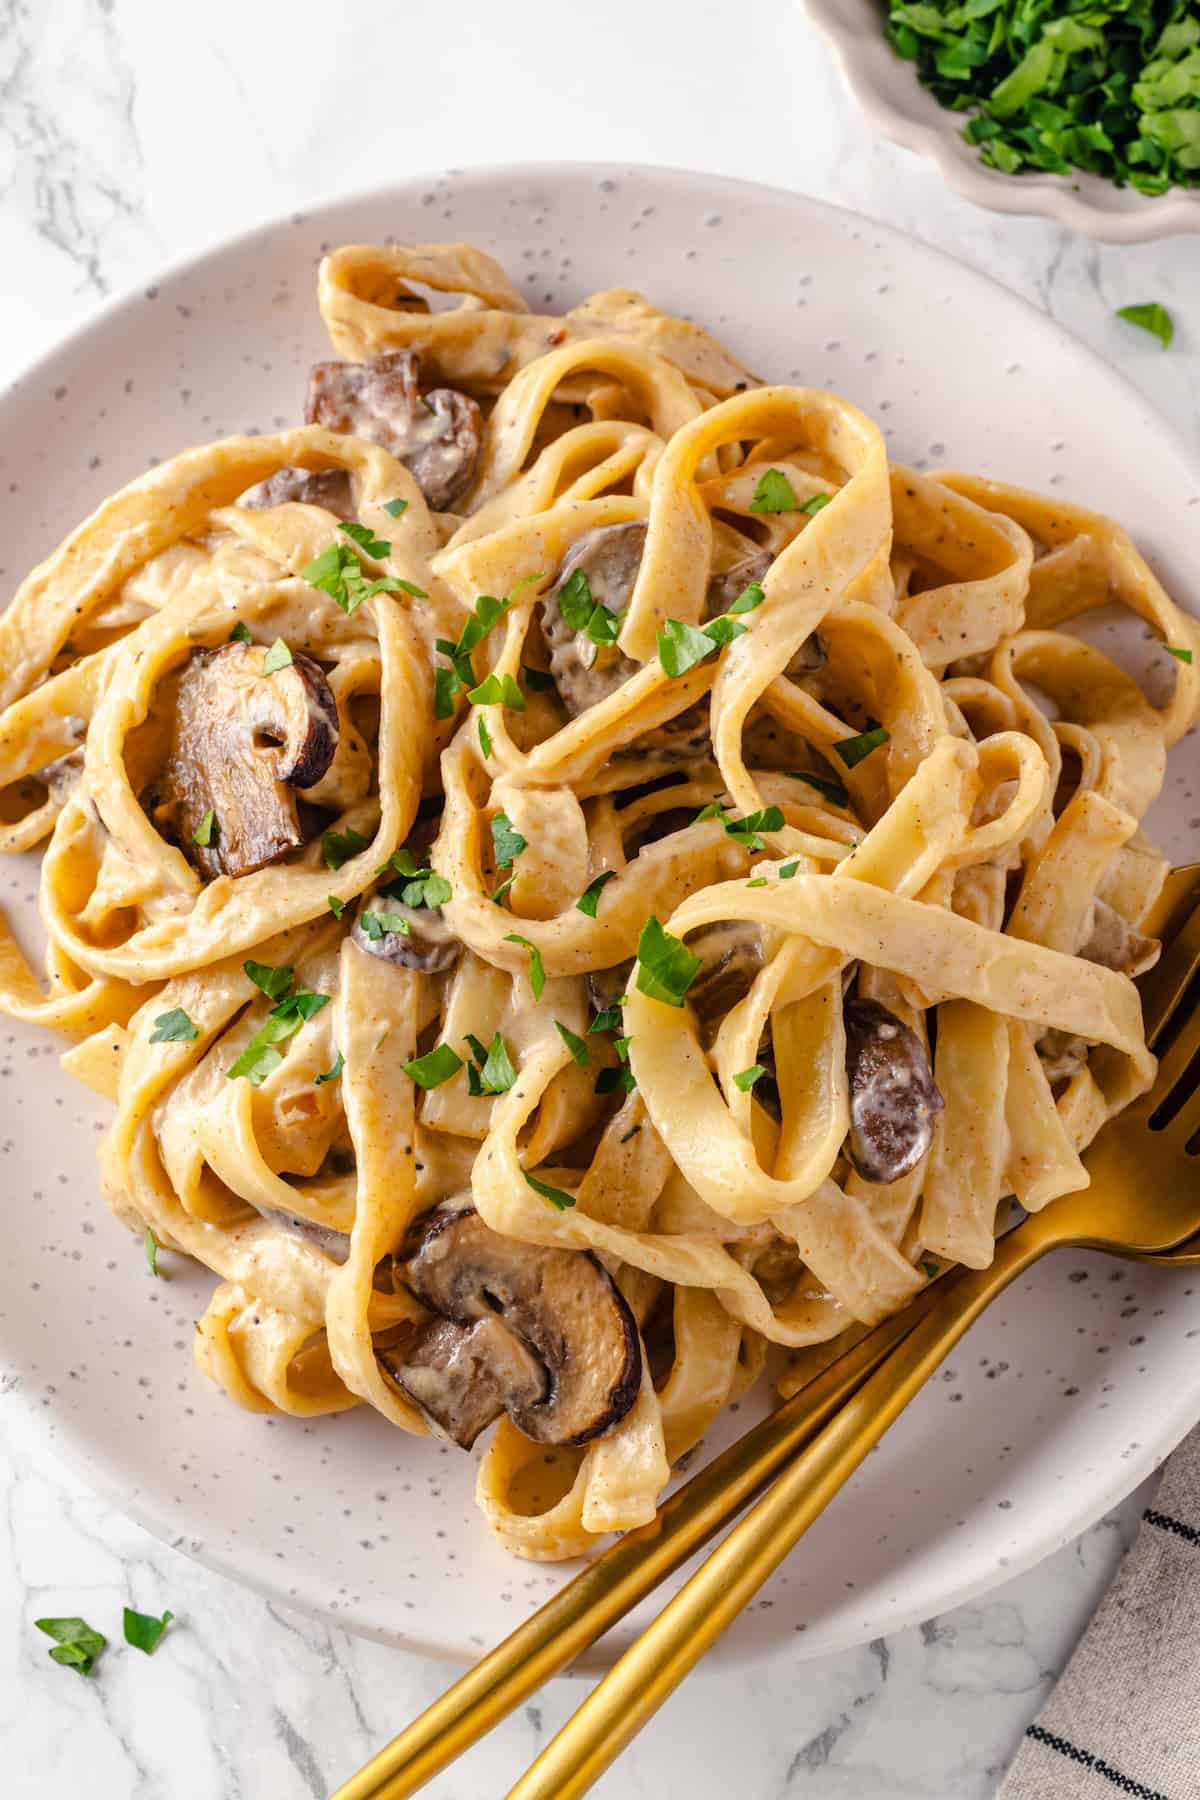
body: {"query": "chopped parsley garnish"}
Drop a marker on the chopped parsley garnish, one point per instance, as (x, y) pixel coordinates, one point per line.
(498, 690)
(748, 831)
(613, 1081)
(205, 830)
(239, 635)
(447, 686)
(610, 1019)
(478, 1050)
(331, 1074)
(260, 1058)
(833, 791)
(537, 974)
(395, 507)
(450, 682)
(681, 647)
(278, 657)
(365, 538)
(508, 843)
(337, 907)
(929, 1266)
(274, 983)
(774, 494)
(854, 750)
(76, 1643)
(500, 892)
(435, 1067)
(424, 887)
(538, 681)
(817, 504)
(575, 1044)
(750, 597)
(339, 573)
(485, 736)
(1152, 317)
(787, 870)
(558, 1197)
(747, 1078)
(174, 1027)
(744, 831)
(666, 967)
(1183, 656)
(584, 613)
(759, 881)
(340, 846)
(375, 924)
(1113, 87)
(589, 900)
(496, 1073)
(144, 1631)
(151, 1248)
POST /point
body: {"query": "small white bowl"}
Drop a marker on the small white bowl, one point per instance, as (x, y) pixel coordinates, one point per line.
(887, 89)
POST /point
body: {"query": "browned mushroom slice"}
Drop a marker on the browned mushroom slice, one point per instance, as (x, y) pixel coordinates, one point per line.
(1062, 1055)
(428, 945)
(561, 1348)
(731, 954)
(436, 434)
(724, 589)
(894, 1099)
(585, 673)
(334, 1244)
(241, 742)
(461, 1376)
(1115, 944)
(329, 488)
(607, 986)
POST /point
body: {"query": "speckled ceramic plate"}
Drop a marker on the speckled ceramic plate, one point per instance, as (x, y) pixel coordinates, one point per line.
(1069, 1391)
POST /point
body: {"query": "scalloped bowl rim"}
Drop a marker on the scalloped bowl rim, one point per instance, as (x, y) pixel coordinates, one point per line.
(902, 110)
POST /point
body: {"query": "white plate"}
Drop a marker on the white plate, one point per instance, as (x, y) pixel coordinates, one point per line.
(1072, 1388)
(887, 89)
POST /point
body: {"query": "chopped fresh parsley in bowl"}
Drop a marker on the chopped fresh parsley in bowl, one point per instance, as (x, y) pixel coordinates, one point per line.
(1112, 88)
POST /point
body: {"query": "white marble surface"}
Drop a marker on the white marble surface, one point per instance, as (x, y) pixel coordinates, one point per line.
(131, 133)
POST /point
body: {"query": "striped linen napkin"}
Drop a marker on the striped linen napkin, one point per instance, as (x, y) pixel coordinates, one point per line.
(1125, 1716)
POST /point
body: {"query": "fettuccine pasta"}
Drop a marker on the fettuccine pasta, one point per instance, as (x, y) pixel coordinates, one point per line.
(574, 871)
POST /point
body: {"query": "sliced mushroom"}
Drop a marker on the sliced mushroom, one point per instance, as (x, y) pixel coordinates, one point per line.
(586, 673)
(1115, 944)
(1062, 1055)
(606, 986)
(461, 1375)
(61, 775)
(429, 944)
(334, 1244)
(724, 589)
(894, 1099)
(329, 488)
(732, 957)
(436, 434)
(545, 1332)
(241, 742)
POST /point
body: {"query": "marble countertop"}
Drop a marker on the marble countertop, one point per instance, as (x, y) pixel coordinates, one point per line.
(132, 133)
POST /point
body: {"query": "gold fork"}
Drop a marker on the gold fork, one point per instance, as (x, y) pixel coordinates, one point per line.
(623, 1575)
(1144, 1197)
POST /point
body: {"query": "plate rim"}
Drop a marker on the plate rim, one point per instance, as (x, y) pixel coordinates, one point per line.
(43, 1425)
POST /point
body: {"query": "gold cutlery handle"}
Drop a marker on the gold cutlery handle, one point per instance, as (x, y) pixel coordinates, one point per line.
(652, 1668)
(624, 1574)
